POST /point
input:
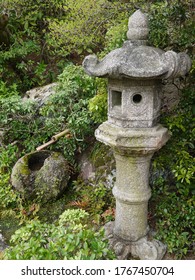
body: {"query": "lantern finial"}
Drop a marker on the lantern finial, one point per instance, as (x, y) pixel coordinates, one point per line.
(138, 27)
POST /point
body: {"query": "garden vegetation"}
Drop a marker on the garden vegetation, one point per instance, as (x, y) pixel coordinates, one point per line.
(46, 41)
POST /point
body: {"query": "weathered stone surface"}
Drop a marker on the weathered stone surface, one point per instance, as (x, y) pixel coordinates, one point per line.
(41, 175)
(128, 61)
(87, 169)
(141, 62)
(148, 250)
(133, 148)
(132, 193)
(134, 103)
(41, 94)
(135, 73)
(136, 60)
(138, 26)
(171, 94)
(135, 141)
(143, 248)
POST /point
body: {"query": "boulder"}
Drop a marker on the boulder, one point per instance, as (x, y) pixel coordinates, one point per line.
(41, 94)
(42, 175)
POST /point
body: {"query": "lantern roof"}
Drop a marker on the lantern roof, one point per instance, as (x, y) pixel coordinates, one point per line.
(135, 59)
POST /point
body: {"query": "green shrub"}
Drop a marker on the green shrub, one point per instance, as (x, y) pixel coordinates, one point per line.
(83, 27)
(31, 126)
(175, 219)
(70, 238)
(171, 24)
(68, 109)
(8, 91)
(116, 35)
(8, 198)
(28, 60)
(174, 192)
(16, 67)
(94, 197)
(98, 105)
(26, 126)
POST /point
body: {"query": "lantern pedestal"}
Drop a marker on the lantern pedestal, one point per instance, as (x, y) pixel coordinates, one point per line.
(146, 248)
(133, 150)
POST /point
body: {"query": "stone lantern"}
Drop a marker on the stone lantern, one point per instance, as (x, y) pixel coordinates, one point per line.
(135, 73)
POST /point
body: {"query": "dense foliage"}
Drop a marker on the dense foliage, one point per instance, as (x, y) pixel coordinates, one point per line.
(39, 42)
(69, 238)
(175, 168)
(33, 124)
(39, 34)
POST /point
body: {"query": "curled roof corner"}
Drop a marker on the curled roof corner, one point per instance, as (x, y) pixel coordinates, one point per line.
(136, 60)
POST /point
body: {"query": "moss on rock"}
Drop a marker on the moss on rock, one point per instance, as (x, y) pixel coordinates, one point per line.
(41, 175)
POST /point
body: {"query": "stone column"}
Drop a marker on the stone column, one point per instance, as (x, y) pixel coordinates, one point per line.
(132, 193)
(133, 150)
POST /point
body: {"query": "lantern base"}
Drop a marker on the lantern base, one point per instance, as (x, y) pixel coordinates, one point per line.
(145, 248)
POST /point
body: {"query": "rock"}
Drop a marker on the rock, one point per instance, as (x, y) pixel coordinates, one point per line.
(97, 165)
(87, 169)
(41, 94)
(144, 248)
(41, 175)
(148, 250)
(171, 92)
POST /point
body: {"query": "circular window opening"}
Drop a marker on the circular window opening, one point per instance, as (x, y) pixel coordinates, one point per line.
(137, 98)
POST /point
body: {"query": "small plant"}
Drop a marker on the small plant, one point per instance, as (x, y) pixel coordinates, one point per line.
(8, 198)
(70, 238)
(8, 91)
(109, 215)
(95, 197)
(175, 224)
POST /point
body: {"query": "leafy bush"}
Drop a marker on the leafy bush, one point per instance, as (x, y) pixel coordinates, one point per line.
(25, 125)
(29, 125)
(96, 198)
(84, 25)
(7, 91)
(98, 104)
(17, 67)
(115, 35)
(27, 57)
(70, 238)
(176, 224)
(171, 24)
(17, 119)
(68, 108)
(43, 33)
(174, 188)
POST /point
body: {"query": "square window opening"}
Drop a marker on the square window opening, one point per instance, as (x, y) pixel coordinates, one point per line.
(116, 99)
